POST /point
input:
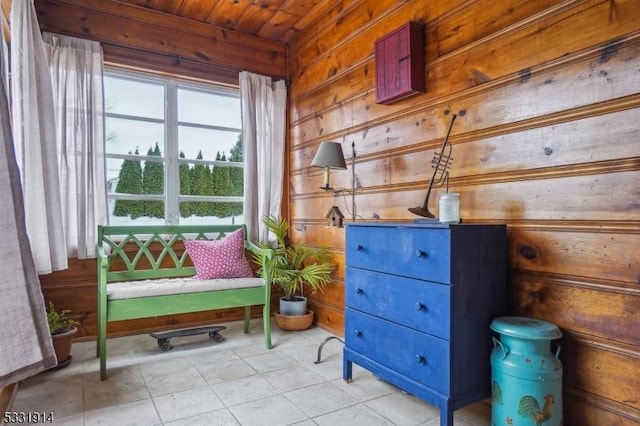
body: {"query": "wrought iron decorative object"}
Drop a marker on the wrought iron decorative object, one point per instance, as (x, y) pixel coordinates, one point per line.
(440, 164)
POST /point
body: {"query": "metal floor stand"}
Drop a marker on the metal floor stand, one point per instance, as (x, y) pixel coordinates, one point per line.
(318, 361)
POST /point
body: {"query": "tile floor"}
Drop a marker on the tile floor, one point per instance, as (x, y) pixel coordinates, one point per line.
(236, 382)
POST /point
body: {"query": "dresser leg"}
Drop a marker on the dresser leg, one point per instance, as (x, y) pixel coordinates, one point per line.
(446, 414)
(347, 370)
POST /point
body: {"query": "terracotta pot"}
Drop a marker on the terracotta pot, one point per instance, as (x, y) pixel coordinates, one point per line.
(62, 345)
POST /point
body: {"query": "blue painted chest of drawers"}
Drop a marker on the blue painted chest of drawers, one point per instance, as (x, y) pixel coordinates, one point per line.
(419, 301)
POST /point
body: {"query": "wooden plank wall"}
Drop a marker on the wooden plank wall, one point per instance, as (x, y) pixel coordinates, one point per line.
(547, 140)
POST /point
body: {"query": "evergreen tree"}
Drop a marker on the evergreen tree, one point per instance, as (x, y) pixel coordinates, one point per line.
(153, 183)
(208, 205)
(237, 178)
(129, 182)
(222, 185)
(235, 154)
(201, 185)
(192, 174)
(185, 187)
(192, 184)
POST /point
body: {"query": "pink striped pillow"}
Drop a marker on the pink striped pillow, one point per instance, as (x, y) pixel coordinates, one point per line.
(223, 258)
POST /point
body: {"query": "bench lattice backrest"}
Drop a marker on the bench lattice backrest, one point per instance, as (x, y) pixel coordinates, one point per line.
(147, 252)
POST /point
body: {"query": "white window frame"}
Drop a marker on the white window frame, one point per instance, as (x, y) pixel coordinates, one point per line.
(171, 160)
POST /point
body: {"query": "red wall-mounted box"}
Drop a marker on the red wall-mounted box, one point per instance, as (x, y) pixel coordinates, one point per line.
(399, 60)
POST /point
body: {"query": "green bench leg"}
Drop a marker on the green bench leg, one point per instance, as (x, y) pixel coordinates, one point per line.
(101, 326)
(266, 323)
(103, 359)
(98, 341)
(101, 339)
(247, 317)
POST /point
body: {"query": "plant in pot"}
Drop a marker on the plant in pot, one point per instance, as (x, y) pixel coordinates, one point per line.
(293, 266)
(62, 329)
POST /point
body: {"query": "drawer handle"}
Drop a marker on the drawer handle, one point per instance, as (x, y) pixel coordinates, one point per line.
(358, 333)
(359, 290)
(359, 247)
(421, 254)
(421, 359)
(421, 306)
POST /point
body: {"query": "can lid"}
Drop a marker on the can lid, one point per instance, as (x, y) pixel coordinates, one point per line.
(526, 328)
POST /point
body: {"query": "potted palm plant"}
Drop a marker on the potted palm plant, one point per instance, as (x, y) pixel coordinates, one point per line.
(293, 266)
(62, 329)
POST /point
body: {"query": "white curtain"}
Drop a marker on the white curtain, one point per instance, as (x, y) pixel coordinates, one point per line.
(26, 347)
(263, 132)
(35, 139)
(76, 68)
(4, 56)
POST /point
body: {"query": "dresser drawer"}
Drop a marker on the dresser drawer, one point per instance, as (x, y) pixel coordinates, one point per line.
(421, 253)
(421, 357)
(422, 305)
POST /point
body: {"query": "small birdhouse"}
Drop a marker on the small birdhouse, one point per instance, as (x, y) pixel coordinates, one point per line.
(334, 217)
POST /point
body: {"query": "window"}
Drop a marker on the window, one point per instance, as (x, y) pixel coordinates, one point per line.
(174, 151)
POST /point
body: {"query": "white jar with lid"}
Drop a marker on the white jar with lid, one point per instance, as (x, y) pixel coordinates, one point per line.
(449, 207)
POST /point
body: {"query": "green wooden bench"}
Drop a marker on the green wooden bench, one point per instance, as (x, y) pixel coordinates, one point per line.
(153, 260)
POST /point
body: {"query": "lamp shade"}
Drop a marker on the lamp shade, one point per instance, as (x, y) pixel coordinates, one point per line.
(329, 155)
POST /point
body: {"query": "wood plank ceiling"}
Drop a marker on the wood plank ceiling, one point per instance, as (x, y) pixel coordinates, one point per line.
(277, 20)
(210, 39)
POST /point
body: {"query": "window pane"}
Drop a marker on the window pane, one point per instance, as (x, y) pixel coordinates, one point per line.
(206, 180)
(134, 97)
(200, 212)
(128, 136)
(193, 141)
(142, 211)
(114, 166)
(130, 219)
(135, 177)
(208, 108)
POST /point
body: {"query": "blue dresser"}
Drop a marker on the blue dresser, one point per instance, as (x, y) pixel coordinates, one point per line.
(419, 301)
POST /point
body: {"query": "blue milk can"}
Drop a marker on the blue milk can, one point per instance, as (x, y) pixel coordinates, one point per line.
(526, 377)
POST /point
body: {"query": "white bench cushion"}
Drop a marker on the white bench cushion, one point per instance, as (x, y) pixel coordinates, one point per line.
(168, 286)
